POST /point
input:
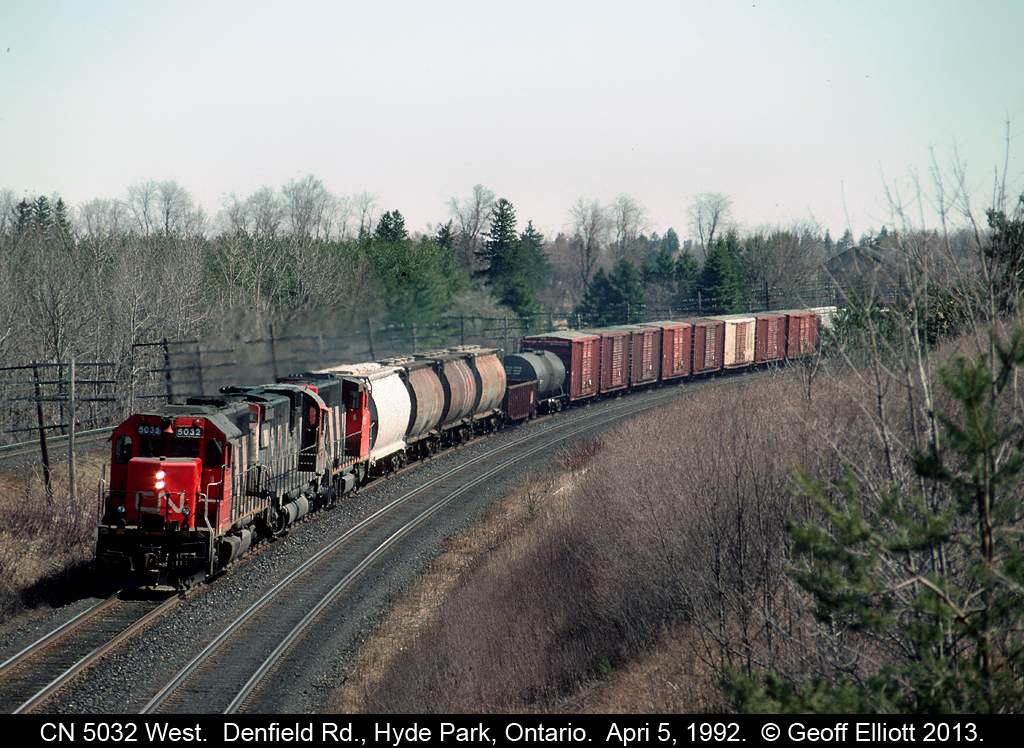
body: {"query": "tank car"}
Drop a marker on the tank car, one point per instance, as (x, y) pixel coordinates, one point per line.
(545, 370)
(473, 384)
(378, 407)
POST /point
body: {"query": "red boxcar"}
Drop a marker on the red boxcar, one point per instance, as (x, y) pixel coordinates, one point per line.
(676, 348)
(708, 345)
(770, 340)
(801, 332)
(614, 358)
(644, 354)
(579, 352)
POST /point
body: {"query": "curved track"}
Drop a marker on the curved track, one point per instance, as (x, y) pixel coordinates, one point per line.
(227, 674)
(330, 599)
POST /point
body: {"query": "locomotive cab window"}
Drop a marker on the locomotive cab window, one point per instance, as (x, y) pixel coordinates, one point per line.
(214, 454)
(184, 448)
(152, 446)
(123, 450)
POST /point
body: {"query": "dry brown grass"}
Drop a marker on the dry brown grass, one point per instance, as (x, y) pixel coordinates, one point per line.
(46, 545)
(670, 539)
(625, 579)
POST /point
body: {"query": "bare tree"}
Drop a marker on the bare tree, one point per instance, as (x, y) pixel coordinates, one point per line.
(175, 206)
(627, 219)
(782, 259)
(709, 213)
(341, 214)
(266, 210)
(307, 201)
(588, 227)
(472, 217)
(142, 205)
(8, 199)
(9, 312)
(234, 216)
(101, 218)
(364, 204)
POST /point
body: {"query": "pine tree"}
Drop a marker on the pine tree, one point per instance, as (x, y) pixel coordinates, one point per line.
(391, 227)
(1006, 249)
(515, 266)
(501, 247)
(721, 278)
(931, 571)
(532, 260)
(613, 298)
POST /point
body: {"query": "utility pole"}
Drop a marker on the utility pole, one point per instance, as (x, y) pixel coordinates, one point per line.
(71, 433)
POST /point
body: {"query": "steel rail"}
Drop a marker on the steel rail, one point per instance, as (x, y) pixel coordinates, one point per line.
(63, 630)
(73, 671)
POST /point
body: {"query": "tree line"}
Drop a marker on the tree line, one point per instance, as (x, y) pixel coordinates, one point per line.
(96, 279)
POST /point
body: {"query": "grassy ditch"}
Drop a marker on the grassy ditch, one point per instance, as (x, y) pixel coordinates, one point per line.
(46, 544)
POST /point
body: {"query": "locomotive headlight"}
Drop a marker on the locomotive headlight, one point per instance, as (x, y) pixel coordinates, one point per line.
(122, 509)
(186, 511)
(160, 475)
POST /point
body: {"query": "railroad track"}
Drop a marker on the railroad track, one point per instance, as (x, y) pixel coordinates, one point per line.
(277, 626)
(30, 677)
(265, 632)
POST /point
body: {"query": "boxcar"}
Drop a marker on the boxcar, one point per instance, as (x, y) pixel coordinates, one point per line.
(801, 332)
(520, 400)
(614, 358)
(580, 354)
(738, 350)
(644, 354)
(676, 348)
(770, 337)
(824, 315)
(708, 344)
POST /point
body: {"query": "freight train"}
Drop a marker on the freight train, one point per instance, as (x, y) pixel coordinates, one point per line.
(193, 486)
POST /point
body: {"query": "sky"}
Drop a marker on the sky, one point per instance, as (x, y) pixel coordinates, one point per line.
(796, 110)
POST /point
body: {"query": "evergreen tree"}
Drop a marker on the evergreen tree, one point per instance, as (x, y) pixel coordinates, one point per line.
(419, 281)
(931, 571)
(663, 269)
(391, 227)
(599, 306)
(499, 253)
(446, 237)
(515, 266)
(532, 259)
(1006, 249)
(613, 298)
(670, 242)
(720, 280)
(687, 272)
(629, 286)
